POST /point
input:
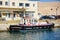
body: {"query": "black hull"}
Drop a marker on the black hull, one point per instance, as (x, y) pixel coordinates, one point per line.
(19, 27)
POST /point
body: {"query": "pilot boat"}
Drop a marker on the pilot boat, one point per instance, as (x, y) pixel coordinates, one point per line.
(40, 25)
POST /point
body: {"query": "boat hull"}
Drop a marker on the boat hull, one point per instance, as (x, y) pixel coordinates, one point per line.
(24, 27)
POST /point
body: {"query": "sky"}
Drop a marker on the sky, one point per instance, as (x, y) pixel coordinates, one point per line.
(47, 0)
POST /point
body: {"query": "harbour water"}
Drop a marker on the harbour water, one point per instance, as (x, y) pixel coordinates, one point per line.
(53, 34)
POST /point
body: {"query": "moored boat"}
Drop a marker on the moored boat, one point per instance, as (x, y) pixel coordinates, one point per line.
(41, 25)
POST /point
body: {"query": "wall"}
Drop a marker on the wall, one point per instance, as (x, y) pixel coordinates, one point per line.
(30, 8)
(49, 8)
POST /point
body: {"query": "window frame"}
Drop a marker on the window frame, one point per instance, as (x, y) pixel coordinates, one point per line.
(33, 5)
(13, 3)
(1, 2)
(6, 3)
(27, 4)
(21, 4)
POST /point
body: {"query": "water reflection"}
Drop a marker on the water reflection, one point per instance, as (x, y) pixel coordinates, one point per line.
(53, 34)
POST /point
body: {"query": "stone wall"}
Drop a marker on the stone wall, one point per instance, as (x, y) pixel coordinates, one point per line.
(49, 8)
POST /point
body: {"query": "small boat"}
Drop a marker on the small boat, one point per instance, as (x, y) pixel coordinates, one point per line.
(41, 25)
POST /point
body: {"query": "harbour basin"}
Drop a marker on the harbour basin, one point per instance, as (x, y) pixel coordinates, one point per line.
(53, 34)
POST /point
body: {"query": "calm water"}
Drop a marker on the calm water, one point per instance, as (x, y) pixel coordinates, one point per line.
(32, 35)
